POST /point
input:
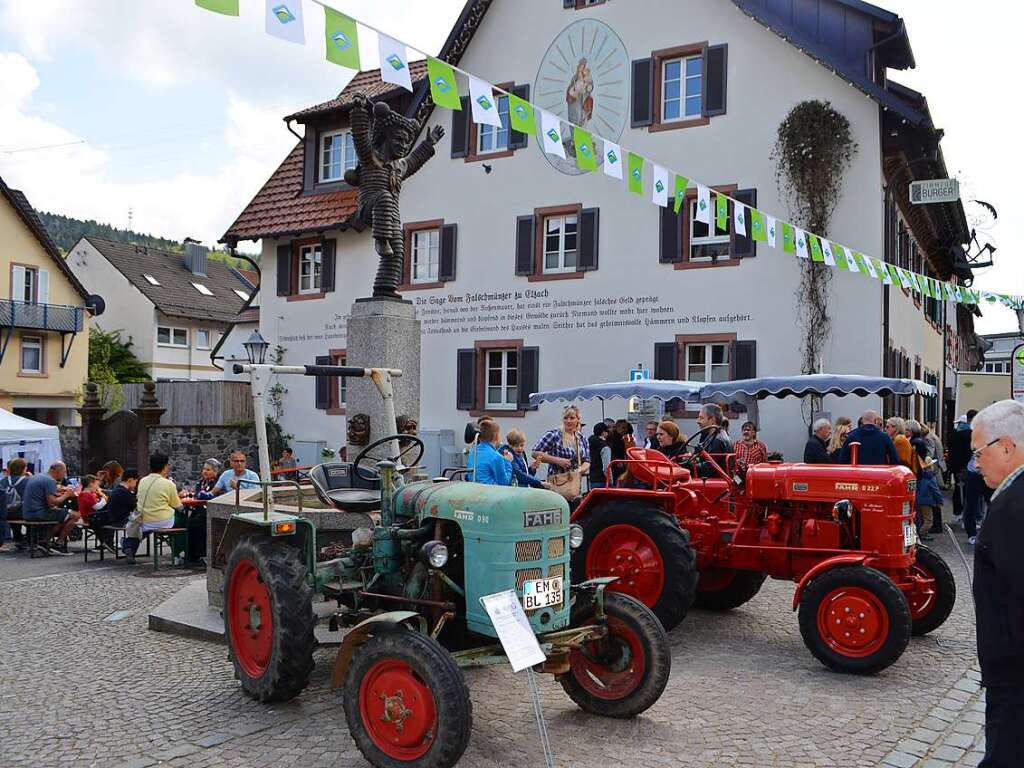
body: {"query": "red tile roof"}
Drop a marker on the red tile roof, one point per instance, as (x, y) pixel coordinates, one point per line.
(280, 208)
(367, 82)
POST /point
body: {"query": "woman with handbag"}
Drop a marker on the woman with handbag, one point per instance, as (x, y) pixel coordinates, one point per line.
(566, 453)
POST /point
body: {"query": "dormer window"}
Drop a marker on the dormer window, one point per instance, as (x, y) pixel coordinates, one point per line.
(151, 280)
(202, 289)
(337, 155)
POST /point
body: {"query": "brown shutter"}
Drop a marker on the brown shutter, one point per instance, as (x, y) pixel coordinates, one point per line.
(715, 77)
(642, 111)
(666, 361)
(460, 130)
(446, 267)
(284, 270)
(670, 249)
(311, 156)
(517, 140)
(742, 245)
(744, 358)
(465, 380)
(524, 245)
(328, 247)
(590, 220)
(323, 385)
(529, 376)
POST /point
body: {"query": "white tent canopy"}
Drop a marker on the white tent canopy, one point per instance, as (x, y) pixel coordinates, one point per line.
(38, 443)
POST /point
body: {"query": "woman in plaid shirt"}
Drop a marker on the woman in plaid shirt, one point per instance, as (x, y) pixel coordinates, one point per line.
(559, 448)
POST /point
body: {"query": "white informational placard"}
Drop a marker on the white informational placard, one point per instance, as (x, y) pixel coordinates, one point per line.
(1017, 373)
(514, 631)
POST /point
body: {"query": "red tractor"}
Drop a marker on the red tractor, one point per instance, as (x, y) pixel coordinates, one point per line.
(844, 534)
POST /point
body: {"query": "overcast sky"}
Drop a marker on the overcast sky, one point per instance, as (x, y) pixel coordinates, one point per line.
(175, 114)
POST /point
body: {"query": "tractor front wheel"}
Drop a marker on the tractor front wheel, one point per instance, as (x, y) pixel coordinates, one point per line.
(406, 702)
(624, 673)
(268, 618)
(854, 619)
(646, 549)
(931, 601)
(722, 589)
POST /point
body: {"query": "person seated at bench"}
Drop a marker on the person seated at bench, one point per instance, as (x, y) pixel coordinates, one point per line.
(91, 501)
(44, 503)
(118, 508)
(15, 479)
(157, 502)
(238, 476)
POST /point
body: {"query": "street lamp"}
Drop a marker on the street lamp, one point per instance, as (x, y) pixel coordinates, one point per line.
(256, 348)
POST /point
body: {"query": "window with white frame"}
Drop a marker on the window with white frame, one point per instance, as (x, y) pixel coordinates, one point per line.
(28, 284)
(310, 265)
(490, 138)
(340, 394)
(502, 380)
(708, 362)
(31, 354)
(997, 367)
(561, 242)
(166, 336)
(707, 241)
(204, 338)
(337, 155)
(426, 254)
(682, 82)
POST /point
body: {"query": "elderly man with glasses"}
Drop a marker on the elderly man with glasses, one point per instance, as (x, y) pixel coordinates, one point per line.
(238, 476)
(997, 444)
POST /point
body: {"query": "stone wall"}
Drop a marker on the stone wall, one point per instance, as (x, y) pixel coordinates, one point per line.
(189, 447)
(71, 448)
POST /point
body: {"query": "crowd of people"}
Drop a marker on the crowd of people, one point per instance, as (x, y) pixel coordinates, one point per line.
(116, 498)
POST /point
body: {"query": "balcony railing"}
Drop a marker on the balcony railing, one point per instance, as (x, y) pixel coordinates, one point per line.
(41, 317)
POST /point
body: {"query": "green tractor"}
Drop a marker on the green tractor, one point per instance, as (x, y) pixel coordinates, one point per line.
(407, 580)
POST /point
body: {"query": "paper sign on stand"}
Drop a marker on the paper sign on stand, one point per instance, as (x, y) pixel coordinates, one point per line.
(514, 631)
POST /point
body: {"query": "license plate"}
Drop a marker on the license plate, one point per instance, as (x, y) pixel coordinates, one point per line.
(909, 535)
(542, 593)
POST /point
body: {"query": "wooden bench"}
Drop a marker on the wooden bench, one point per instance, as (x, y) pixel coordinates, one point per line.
(35, 530)
(162, 536)
(97, 544)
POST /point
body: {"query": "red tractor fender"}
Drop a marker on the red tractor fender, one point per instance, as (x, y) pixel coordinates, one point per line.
(598, 496)
(820, 568)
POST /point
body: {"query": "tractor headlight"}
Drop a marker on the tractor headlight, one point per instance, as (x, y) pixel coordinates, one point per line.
(434, 554)
(575, 536)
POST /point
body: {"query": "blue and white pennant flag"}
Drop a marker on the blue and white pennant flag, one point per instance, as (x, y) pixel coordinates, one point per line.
(551, 131)
(484, 103)
(284, 20)
(659, 186)
(613, 160)
(394, 62)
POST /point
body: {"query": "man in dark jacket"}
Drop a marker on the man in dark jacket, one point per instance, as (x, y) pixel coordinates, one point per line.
(876, 447)
(816, 450)
(959, 455)
(600, 455)
(997, 443)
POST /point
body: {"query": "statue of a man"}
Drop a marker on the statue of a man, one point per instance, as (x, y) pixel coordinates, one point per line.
(383, 139)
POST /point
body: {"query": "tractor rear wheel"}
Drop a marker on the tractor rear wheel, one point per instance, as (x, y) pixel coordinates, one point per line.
(406, 702)
(624, 673)
(854, 619)
(648, 552)
(268, 618)
(722, 589)
(934, 592)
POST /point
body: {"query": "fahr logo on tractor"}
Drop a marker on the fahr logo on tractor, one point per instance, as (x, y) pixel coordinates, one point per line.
(697, 532)
(405, 565)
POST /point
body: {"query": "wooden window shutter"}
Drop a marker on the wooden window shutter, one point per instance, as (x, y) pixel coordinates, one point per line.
(328, 249)
(323, 385)
(666, 361)
(524, 245)
(284, 270)
(460, 130)
(715, 77)
(517, 140)
(446, 266)
(670, 247)
(42, 286)
(590, 220)
(642, 109)
(529, 376)
(744, 358)
(742, 245)
(465, 386)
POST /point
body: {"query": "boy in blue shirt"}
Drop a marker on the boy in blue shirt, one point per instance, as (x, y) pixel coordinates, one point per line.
(489, 466)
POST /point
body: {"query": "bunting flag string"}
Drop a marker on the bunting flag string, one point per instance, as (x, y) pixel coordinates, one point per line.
(284, 20)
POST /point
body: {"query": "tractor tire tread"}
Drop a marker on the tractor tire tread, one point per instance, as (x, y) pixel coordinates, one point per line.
(945, 584)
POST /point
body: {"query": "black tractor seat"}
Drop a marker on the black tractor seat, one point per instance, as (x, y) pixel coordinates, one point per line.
(338, 486)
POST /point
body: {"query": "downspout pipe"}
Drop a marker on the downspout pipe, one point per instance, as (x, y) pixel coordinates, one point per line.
(252, 297)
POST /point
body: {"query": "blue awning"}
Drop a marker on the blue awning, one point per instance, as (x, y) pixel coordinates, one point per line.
(651, 389)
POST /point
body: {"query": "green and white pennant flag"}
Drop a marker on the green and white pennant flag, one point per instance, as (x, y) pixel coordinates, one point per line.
(342, 39)
(520, 115)
(703, 204)
(757, 230)
(679, 198)
(865, 264)
(444, 90)
(815, 245)
(226, 7)
(771, 227)
(394, 62)
(802, 248)
(551, 131)
(483, 104)
(612, 160)
(788, 237)
(721, 212)
(284, 20)
(659, 186)
(635, 180)
(883, 271)
(826, 253)
(586, 157)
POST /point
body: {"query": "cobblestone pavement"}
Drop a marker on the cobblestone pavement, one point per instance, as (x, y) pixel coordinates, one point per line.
(84, 682)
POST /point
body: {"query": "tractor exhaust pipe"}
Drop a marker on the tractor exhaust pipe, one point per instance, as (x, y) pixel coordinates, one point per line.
(854, 450)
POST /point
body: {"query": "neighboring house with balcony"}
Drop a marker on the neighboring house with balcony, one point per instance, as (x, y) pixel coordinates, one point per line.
(999, 355)
(174, 307)
(44, 321)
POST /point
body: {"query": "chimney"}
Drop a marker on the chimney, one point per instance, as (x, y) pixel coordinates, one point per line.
(195, 257)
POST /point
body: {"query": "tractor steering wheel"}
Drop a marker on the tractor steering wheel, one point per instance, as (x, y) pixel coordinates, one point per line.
(367, 455)
(705, 435)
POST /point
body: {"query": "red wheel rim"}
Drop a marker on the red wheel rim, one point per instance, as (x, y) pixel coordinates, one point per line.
(715, 579)
(924, 595)
(250, 619)
(613, 667)
(630, 554)
(398, 710)
(853, 622)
